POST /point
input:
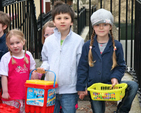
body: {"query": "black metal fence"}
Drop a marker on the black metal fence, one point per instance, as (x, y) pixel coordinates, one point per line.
(42, 19)
(22, 14)
(81, 20)
(137, 44)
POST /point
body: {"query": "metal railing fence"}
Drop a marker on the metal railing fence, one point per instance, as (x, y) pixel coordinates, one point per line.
(22, 14)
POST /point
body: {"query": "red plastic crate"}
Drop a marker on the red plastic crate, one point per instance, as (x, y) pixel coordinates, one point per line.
(40, 95)
(4, 108)
(8, 109)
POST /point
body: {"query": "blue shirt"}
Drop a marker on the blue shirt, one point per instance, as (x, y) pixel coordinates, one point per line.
(3, 47)
(101, 71)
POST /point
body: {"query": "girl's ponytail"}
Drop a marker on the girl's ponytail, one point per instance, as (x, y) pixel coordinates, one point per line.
(114, 53)
(25, 58)
(90, 56)
(13, 61)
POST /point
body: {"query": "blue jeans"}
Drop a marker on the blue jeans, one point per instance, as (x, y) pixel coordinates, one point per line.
(67, 101)
(125, 105)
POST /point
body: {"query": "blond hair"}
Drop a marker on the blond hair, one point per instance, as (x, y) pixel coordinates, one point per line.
(47, 24)
(4, 20)
(90, 56)
(20, 35)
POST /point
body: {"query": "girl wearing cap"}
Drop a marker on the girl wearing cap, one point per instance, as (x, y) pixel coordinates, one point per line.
(102, 60)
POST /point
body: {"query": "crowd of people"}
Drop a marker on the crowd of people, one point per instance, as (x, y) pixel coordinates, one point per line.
(77, 65)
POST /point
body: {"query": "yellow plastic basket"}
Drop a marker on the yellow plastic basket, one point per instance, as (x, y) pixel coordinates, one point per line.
(102, 92)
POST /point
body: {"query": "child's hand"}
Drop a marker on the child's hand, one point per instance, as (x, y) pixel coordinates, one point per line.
(5, 95)
(86, 92)
(40, 70)
(114, 81)
(34, 75)
(82, 94)
(37, 74)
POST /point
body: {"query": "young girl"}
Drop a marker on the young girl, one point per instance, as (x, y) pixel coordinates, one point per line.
(61, 52)
(47, 30)
(15, 68)
(102, 60)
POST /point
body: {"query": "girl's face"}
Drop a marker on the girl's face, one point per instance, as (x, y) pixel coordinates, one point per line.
(63, 22)
(15, 44)
(48, 31)
(102, 30)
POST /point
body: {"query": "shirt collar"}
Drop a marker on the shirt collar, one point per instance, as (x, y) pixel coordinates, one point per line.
(109, 42)
(56, 32)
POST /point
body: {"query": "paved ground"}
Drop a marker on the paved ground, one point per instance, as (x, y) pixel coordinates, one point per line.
(85, 107)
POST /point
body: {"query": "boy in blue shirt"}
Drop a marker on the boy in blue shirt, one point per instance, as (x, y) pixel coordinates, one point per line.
(4, 23)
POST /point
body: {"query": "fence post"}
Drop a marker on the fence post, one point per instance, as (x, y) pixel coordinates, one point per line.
(78, 17)
(1, 6)
(90, 19)
(137, 43)
(33, 27)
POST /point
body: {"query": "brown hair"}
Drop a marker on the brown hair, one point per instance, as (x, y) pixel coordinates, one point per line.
(90, 57)
(61, 7)
(20, 35)
(4, 20)
(114, 53)
(47, 24)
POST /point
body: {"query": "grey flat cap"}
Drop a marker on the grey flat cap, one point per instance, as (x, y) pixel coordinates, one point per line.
(102, 16)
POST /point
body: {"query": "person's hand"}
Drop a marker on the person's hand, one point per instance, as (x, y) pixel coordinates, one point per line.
(40, 70)
(82, 94)
(34, 75)
(5, 95)
(114, 81)
(86, 92)
(37, 74)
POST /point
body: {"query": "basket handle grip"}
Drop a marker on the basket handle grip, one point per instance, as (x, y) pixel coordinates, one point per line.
(46, 71)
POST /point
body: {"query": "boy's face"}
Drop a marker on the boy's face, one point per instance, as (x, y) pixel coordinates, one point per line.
(63, 22)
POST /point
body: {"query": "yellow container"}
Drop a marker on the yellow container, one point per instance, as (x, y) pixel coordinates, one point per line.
(40, 82)
(102, 92)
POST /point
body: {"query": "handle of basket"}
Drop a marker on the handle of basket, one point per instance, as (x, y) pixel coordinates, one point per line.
(10, 99)
(46, 71)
